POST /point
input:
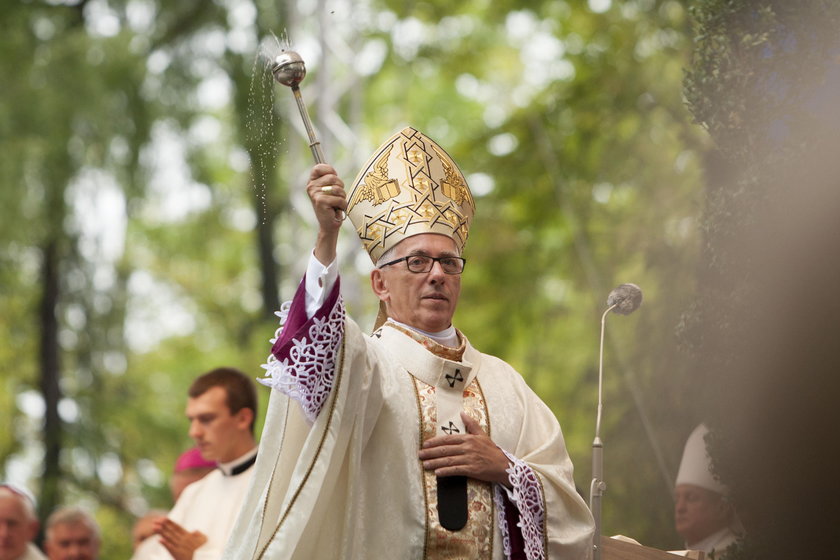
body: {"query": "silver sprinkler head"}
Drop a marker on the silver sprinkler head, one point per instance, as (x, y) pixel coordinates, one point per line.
(288, 68)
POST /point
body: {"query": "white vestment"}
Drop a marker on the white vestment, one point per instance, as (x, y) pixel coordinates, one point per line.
(210, 505)
(32, 552)
(338, 475)
(715, 544)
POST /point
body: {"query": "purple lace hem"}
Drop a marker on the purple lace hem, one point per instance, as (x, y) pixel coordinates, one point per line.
(501, 518)
(528, 498)
(305, 350)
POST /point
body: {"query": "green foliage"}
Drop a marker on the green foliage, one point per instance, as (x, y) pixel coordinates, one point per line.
(764, 82)
(754, 64)
(760, 82)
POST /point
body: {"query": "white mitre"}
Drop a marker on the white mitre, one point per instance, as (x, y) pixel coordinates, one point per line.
(696, 465)
(409, 186)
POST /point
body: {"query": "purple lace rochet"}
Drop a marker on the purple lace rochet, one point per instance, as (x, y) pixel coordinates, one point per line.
(304, 351)
(501, 518)
(528, 500)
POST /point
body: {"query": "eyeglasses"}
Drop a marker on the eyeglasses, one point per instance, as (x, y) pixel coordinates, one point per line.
(423, 263)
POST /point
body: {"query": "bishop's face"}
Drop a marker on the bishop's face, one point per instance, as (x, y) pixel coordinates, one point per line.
(424, 300)
(699, 513)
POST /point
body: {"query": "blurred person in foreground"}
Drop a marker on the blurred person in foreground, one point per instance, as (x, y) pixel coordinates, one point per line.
(18, 524)
(221, 410)
(703, 514)
(408, 443)
(144, 529)
(72, 534)
(189, 467)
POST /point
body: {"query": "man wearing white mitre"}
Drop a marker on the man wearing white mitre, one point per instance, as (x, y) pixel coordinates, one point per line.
(703, 513)
(408, 443)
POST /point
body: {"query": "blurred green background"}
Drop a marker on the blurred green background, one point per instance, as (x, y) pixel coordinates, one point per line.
(152, 216)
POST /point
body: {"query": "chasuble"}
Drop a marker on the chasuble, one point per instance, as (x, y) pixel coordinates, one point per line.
(337, 474)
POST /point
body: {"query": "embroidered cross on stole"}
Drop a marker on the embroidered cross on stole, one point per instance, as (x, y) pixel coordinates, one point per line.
(441, 395)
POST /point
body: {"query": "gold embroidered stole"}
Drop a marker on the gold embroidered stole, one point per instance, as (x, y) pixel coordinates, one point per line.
(475, 539)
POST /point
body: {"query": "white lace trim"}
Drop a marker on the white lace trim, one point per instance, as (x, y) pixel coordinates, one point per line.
(528, 498)
(307, 372)
(500, 518)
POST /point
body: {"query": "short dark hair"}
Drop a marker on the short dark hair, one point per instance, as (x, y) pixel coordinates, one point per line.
(240, 390)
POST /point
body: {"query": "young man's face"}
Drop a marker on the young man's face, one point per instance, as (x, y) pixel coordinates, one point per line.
(425, 300)
(16, 526)
(217, 432)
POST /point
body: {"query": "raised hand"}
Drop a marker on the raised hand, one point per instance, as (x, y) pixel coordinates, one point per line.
(326, 193)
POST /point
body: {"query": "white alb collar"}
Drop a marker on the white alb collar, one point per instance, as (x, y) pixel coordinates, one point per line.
(231, 466)
(446, 337)
(716, 541)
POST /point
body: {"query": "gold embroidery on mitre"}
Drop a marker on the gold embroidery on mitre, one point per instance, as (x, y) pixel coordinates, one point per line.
(423, 184)
(415, 156)
(413, 189)
(453, 184)
(377, 187)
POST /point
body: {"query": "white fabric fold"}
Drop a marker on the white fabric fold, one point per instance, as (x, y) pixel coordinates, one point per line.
(319, 281)
(351, 486)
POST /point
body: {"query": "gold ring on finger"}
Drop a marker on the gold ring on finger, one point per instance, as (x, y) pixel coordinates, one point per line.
(328, 189)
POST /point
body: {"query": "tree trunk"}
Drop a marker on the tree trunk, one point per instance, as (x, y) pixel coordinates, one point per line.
(49, 381)
(265, 253)
(260, 132)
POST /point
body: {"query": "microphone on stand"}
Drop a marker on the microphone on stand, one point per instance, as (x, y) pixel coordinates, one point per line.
(624, 300)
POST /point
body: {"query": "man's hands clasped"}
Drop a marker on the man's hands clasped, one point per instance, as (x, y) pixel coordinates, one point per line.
(180, 543)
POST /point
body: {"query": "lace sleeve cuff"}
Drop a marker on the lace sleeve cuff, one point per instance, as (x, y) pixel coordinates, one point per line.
(527, 497)
(304, 352)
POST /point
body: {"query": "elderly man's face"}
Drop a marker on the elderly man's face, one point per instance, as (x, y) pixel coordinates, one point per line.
(17, 528)
(699, 513)
(424, 300)
(72, 541)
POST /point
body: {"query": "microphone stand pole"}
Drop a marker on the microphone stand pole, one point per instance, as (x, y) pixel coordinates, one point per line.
(598, 486)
